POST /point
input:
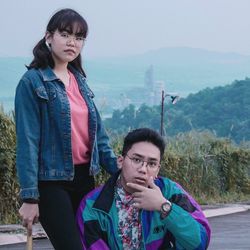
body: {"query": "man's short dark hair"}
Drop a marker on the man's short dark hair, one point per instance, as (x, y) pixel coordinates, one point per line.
(143, 135)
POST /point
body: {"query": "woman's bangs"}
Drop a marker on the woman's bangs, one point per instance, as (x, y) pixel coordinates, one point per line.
(74, 25)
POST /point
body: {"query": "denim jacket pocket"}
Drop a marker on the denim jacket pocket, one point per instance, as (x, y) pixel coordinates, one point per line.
(42, 93)
(46, 95)
(52, 93)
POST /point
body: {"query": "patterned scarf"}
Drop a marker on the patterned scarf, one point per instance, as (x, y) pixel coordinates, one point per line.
(129, 226)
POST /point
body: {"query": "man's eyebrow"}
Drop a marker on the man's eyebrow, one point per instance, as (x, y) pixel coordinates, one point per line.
(143, 157)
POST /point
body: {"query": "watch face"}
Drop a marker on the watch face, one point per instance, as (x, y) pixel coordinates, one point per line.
(166, 207)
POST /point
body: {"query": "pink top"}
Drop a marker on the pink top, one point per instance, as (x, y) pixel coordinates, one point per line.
(79, 123)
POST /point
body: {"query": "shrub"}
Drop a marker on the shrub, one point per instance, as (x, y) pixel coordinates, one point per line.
(207, 166)
(8, 181)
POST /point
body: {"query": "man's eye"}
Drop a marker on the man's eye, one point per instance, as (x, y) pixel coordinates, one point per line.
(152, 164)
(137, 160)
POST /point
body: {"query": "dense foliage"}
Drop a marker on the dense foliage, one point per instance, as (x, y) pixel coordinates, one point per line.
(8, 181)
(223, 110)
(208, 167)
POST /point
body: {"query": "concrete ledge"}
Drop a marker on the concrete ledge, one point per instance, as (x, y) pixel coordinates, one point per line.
(10, 234)
(225, 210)
(6, 239)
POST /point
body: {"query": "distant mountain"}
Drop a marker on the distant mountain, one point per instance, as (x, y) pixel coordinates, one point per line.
(184, 70)
(188, 70)
(184, 55)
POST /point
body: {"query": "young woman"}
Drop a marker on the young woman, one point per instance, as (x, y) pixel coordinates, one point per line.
(61, 141)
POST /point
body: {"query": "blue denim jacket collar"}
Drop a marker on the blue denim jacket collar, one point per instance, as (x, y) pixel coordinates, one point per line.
(48, 74)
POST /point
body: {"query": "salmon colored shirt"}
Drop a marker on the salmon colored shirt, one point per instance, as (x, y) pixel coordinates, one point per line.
(79, 123)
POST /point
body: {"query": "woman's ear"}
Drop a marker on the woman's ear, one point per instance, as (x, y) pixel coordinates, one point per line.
(120, 161)
(48, 37)
(48, 40)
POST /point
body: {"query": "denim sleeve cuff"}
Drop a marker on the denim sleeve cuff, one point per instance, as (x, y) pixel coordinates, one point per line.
(30, 201)
(29, 193)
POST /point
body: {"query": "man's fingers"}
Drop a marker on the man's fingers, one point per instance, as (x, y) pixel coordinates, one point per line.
(135, 186)
(136, 200)
(151, 183)
(137, 194)
(136, 204)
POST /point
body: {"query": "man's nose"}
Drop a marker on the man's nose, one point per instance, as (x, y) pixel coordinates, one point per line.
(143, 167)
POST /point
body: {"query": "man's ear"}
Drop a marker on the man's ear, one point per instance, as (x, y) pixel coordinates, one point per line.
(156, 174)
(120, 160)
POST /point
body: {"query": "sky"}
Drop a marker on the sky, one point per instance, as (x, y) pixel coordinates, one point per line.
(121, 28)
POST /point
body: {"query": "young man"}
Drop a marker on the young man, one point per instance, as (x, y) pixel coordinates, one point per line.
(136, 209)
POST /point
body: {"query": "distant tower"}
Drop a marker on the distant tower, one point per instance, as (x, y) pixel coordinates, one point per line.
(149, 79)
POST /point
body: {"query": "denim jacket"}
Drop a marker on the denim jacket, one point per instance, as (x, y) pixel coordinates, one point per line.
(43, 127)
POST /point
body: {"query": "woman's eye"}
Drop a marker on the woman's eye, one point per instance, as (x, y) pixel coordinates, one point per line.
(80, 38)
(63, 34)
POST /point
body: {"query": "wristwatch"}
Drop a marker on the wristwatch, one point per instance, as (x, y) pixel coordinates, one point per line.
(166, 208)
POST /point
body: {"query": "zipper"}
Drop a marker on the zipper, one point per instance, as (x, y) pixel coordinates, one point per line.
(142, 231)
(112, 228)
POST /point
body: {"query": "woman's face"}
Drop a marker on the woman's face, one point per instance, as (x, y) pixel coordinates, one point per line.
(65, 47)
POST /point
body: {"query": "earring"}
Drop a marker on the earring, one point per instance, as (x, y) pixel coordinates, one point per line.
(48, 46)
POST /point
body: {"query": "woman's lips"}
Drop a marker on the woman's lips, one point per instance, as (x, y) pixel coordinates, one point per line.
(69, 51)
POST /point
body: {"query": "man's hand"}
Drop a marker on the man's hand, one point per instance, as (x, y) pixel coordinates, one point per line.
(146, 198)
(29, 214)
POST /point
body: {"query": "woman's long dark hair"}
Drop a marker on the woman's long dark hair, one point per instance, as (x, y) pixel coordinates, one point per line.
(62, 20)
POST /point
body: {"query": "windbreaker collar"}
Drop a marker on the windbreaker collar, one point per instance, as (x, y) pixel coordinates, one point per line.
(106, 197)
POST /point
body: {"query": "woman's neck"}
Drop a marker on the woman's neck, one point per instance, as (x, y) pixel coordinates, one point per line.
(61, 71)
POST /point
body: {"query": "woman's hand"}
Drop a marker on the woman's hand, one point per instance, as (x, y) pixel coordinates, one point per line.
(29, 214)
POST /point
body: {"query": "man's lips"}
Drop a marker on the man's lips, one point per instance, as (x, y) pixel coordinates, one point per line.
(140, 180)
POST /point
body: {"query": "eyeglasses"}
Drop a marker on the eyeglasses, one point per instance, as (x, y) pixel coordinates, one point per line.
(137, 163)
(69, 37)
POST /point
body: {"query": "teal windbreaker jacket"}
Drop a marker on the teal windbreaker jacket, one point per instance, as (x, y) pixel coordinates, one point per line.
(184, 228)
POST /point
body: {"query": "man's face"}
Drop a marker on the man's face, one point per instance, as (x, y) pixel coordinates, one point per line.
(140, 163)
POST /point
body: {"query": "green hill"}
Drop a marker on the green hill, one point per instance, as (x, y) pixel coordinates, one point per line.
(223, 110)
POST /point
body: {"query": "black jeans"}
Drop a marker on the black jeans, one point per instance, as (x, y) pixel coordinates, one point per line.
(59, 201)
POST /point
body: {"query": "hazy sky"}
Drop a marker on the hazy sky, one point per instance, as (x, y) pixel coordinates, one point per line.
(132, 26)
